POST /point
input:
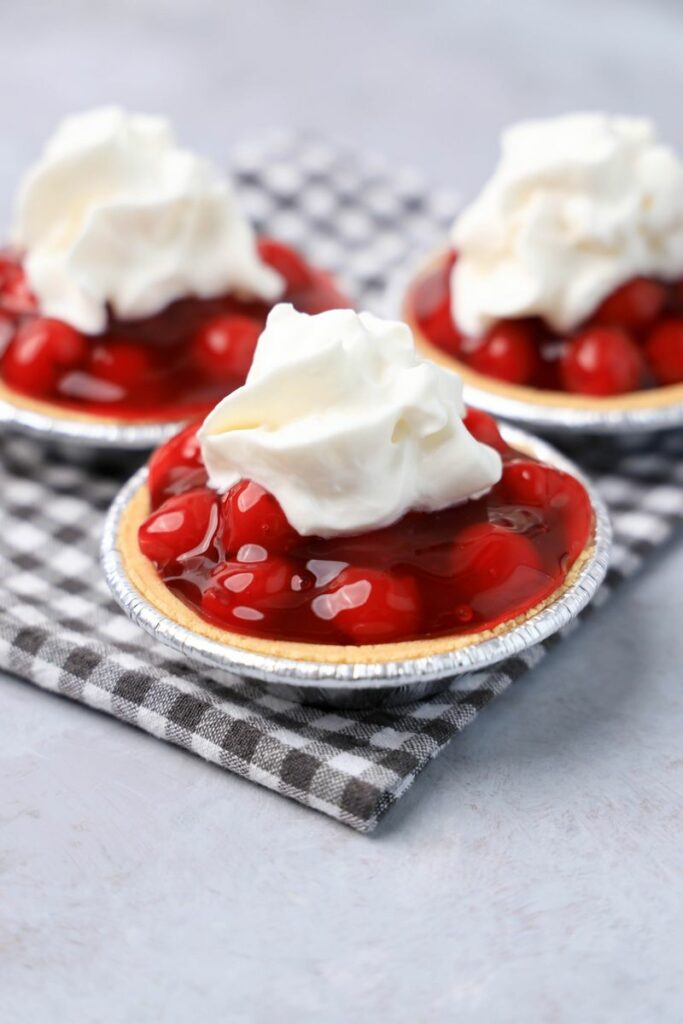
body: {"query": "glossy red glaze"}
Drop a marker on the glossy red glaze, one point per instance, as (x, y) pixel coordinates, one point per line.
(174, 365)
(626, 344)
(464, 569)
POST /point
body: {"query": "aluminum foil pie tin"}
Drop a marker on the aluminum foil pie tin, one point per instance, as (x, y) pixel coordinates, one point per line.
(560, 419)
(81, 439)
(82, 433)
(364, 685)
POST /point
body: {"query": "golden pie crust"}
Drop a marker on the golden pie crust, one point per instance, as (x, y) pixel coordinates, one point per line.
(648, 398)
(61, 412)
(144, 577)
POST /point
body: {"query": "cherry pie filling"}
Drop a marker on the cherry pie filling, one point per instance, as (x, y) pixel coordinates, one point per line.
(174, 365)
(633, 340)
(236, 561)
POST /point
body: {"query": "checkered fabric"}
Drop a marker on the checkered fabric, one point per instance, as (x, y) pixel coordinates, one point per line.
(60, 628)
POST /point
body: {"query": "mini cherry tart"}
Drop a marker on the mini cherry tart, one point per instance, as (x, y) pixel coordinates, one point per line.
(174, 365)
(238, 563)
(633, 340)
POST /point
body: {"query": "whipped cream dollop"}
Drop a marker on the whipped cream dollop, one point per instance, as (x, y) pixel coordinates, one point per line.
(576, 206)
(346, 426)
(115, 213)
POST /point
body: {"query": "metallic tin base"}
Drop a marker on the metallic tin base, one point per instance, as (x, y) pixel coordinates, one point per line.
(75, 437)
(557, 420)
(363, 685)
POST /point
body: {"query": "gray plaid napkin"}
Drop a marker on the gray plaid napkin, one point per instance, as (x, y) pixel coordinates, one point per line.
(60, 629)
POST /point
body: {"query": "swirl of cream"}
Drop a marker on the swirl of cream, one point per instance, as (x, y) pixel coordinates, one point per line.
(342, 421)
(116, 215)
(576, 206)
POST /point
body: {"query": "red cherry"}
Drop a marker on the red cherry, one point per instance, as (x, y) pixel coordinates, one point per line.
(508, 352)
(40, 353)
(250, 515)
(525, 482)
(183, 527)
(287, 262)
(554, 493)
(370, 606)
(602, 361)
(634, 306)
(224, 346)
(121, 362)
(485, 429)
(493, 567)
(432, 307)
(176, 467)
(664, 351)
(248, 592)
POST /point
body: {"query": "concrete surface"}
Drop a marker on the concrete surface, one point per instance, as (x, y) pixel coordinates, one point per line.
(533, 874)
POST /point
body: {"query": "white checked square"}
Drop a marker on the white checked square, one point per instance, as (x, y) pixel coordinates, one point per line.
(26, 492)
(666, 500)
(28, 614)
(26, 537)
(72, 606)
(25, 584)
(391, 739)
(72, 561)
(60, 475)
(290, 738)
(349, 763)
(640, 526)
(65, 509)
(273, 703)
(616, 489)
(117, 627)
(331, 723)
(429, 710)
(623, 559)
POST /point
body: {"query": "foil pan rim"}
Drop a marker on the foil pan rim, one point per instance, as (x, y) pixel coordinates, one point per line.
(84, 433)
(556, 418)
